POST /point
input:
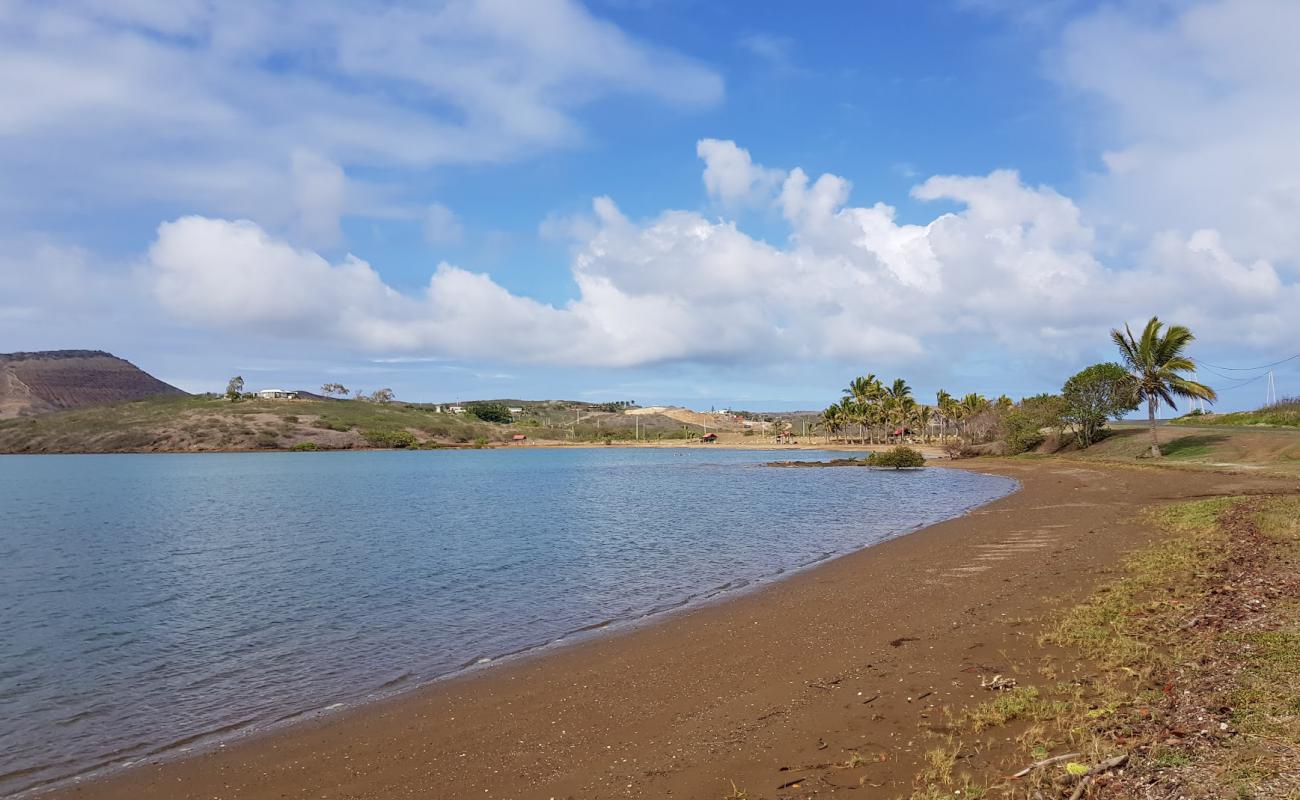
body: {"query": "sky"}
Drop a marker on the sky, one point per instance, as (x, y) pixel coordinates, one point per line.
(665, 201)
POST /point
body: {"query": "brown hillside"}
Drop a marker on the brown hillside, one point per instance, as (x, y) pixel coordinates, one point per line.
(54, 380)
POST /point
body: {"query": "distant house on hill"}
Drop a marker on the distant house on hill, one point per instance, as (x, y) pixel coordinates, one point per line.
(456, 409)
(709, 438)
(515, 410)
(518, 437)
(276, 394)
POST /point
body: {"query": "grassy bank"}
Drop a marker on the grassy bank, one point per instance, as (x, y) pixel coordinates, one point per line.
(1280, 415)
(1272, 449)
(193, 424)
(1181, 678)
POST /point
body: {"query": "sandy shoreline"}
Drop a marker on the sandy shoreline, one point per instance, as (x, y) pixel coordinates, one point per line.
(731, 691)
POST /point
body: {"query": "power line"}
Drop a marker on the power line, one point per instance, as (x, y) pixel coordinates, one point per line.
(1248, 369)
(1245, 382)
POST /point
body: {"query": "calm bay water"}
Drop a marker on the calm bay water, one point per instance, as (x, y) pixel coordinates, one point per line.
(149, 603)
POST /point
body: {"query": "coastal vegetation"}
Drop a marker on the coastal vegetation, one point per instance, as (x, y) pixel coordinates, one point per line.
(898, 458)
(1179, 678)
(1283, 414)
(1152, 372)
(195, 424)
(1156, 361)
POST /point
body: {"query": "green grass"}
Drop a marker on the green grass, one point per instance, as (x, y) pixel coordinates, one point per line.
(1149, 671)
(1281, 415)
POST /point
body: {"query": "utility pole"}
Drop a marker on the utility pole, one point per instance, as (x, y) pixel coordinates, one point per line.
(1270, 397)
(1199, 404)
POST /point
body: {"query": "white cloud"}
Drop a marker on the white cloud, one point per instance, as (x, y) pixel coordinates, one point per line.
(1016, 267)
(731, 176)
(215, 105)
(442, 225)
(1197, 108)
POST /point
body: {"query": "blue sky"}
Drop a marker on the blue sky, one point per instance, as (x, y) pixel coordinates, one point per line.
(667, 201)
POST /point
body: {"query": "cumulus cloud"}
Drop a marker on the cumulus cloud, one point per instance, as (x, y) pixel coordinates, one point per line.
(1197, 110)
(231, 107)
(1016, 265)
(731, 176)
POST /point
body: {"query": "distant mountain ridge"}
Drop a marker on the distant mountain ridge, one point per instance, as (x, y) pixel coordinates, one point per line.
(55, 380)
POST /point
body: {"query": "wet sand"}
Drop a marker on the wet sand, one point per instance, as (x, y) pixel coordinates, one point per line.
(765, 690)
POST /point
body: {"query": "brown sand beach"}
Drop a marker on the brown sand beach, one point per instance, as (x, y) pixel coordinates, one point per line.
(766, 693)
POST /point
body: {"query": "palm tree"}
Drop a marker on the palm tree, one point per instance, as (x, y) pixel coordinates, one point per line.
(865, 392)
(947, 411)
(970, 407)
(1155, 361)
(924, 415)
(897, 400)
(833, 419)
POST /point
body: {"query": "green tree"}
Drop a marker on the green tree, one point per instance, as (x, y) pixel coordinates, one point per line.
(1094, 395)
(947, 408)
(382, 396)
(1156, 361)
(899, 458)
(862, 400)
(1023, 423)
(235, 388)
(835, 418)
(491, 412)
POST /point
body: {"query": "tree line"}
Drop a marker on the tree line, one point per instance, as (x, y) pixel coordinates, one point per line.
(1150, 371)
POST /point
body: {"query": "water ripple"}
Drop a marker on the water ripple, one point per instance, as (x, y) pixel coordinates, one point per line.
(157, 603)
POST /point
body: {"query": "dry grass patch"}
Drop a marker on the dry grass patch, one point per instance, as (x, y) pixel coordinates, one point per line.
(1187, 679)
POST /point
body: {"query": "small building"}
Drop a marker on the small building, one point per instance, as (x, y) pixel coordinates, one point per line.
(276, 394)
(519, 437)
(709, 438)
(514, 410)
(456, 409)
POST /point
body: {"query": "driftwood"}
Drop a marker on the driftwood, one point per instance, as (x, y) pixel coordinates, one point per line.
(1046, 762)
(1097, 769)
(998, 683)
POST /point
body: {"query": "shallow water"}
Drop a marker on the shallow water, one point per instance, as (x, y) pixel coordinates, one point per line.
(152, 602)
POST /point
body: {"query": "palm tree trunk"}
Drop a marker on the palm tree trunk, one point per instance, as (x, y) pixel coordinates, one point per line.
(1151, 417)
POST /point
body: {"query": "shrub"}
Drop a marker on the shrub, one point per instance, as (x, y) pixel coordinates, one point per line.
(304, 447)
(290, 417)
(491, 412)
(396, 440)
(898, 458)
(1022, 425)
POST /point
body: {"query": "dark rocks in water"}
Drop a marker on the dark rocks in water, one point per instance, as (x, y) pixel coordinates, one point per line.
(834, 462)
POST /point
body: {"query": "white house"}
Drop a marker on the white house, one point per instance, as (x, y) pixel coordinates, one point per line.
(513, 410)
(276, 394)
(456, 409)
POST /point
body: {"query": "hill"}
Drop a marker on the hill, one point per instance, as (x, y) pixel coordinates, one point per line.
(207, 423)
(56, 380)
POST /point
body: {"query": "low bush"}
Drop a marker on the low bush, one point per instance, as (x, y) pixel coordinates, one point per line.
(397, 440)
(304, 447)
(898, 458)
